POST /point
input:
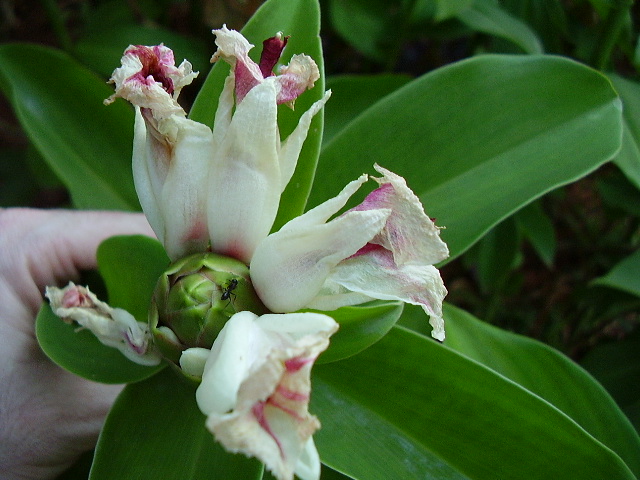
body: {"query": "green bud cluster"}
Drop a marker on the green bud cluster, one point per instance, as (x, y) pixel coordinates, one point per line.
(195, 297)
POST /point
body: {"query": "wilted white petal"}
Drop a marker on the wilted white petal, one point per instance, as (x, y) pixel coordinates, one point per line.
(170, 158)
(290, 267)
(266, 414)
(114, 327)
(244, 178)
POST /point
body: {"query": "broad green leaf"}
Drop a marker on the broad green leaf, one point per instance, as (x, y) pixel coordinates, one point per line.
(487, 17)
(629, 157)
(59, 104)
(537, 228)
(80, 352)
(479, 139)
(130, 267)
(360, 327)
(545, 372)
(450, 8)
(300, 19)
(409, 407)
(155, 430)
(353, 94)
(624, 276)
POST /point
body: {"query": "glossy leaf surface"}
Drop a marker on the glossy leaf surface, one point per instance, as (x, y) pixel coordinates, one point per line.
(130, 267)
(155, 430)
(481, 138)
(360, 327)
(410, 408)
(545, 372)
(629, 157)
(59, 105)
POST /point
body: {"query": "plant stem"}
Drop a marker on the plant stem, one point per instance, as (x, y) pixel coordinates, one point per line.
(609, 33)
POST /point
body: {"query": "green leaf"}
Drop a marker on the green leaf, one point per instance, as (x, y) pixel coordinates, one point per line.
(353, 94)
(449, 8)
(481, 138)
(547, 373)
(487, 17)
(629, 157)
(301, 20)
(360, 327)
(155, 430)
(80, 352)
(409, 407)
(537, 228)
(59, 104)
(624, 276)
(130, 267)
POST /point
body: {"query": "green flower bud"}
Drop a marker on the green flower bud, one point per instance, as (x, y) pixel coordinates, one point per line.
(195, 297)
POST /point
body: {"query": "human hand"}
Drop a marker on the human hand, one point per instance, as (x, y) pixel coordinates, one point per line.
(48, 417)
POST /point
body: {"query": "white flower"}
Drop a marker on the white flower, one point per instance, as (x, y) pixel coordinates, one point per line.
(223, 187)
(170, 152)
(252, 166)
(256, 385)
(384, 249)
(114, 327)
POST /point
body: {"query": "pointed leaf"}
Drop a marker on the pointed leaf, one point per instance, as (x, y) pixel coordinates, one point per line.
(479, 139)
(629, 157)
(155, 430)
(59, 104)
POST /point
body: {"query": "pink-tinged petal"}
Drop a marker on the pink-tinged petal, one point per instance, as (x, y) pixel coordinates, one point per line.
(266, 363)
(374, 272)
(113, 327)
(301, 74)
(234, 49)
(290, 267)
(148, 78)
(244, 177)
(409, 233)
(170, 158)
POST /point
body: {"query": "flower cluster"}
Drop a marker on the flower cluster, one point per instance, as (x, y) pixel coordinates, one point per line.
(219, 190)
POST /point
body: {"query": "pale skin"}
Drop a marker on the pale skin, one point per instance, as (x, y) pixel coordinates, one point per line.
(48, 417)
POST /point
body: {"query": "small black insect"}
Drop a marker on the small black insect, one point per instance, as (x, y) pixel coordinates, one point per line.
(227, 292)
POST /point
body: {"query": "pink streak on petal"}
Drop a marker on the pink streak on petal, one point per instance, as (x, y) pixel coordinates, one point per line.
(379, 198)
(272, 402)
(197, 232)
(291, 395)
(294, 364)
(271, 51)
(258, 413)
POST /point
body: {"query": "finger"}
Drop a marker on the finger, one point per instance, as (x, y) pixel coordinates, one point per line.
(46, 247)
